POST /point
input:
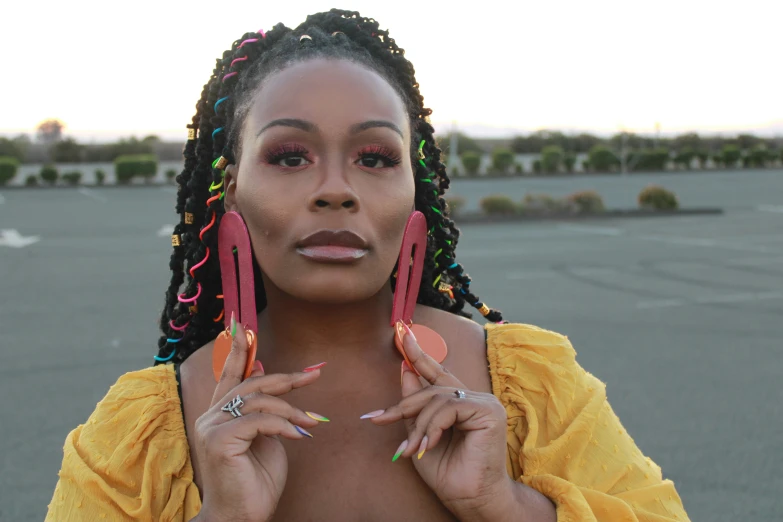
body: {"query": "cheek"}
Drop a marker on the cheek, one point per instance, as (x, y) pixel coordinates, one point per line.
(266, 216)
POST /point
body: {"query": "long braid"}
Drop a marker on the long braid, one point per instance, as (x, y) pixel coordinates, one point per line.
(193, 311)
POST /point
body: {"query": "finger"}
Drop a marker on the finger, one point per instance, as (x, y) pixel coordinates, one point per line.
(234, 368)
(409, 381)
(258, 369)
(410, 406)
(236, 436)
(418, 425)
(429, 368)
(261, 403)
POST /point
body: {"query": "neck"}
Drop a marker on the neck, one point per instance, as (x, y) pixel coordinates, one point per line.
(295, 333)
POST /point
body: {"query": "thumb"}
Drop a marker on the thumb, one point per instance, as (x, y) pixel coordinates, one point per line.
(409, 381)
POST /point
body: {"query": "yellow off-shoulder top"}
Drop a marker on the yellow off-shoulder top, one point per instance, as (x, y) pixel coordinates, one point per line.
(131, 460)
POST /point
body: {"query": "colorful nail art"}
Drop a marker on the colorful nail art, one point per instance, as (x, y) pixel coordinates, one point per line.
(233, 325)
(314, 367)
(372, 414)
(423, 447)
(315, 416)
(400, 450)
(303, 431)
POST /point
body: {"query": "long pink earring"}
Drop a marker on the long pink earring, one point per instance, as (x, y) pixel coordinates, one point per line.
(236, 275)
(406, 291)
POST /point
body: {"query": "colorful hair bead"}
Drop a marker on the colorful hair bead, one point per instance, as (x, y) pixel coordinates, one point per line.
(219, 317)
(224, 98)
(182, 299)
(219, 129)
(188, 218)
(421, 153)
(175, 240)
(199, 264)
(165, 359)
(229, 75)
(249, 40)
(214, 187)
(262, 33)
(178, 328)
(221, 162)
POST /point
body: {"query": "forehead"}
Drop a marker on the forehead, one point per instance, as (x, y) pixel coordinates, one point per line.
(330, 93)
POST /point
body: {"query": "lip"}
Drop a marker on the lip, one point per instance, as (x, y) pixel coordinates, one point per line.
(333, 246)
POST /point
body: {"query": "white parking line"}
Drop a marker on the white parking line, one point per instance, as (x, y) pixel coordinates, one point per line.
(92, 194)
(717, 299)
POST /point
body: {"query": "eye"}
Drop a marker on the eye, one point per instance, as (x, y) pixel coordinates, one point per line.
(378, 157)
(288, 156)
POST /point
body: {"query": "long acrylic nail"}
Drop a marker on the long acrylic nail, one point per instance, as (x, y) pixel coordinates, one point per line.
(409, 332)
(303, 431)
(423, 446)
(314, 367)
(233, 325)
(316, 416)
(372, 414)
(400, 450)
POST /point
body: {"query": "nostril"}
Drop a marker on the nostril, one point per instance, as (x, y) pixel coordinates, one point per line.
(321, 203)
(348, 204)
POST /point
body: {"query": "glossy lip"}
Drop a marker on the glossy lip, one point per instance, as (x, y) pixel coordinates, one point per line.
(333, 246)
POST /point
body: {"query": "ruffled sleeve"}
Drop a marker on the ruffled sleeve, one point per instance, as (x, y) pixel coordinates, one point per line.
(130, 460)
(564, 439)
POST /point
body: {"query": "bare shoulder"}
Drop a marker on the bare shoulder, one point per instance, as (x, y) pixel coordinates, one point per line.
(466, 340)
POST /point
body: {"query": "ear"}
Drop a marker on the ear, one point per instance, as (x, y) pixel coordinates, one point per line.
(230, 181)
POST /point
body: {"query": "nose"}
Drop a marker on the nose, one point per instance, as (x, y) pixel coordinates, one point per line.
(334, 193)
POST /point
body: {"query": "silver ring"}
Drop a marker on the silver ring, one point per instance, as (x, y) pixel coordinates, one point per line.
(233, 406)
(460, 394)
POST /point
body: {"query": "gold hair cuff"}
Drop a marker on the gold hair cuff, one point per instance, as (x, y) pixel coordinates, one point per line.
(221, 163)
(188, 218)
(337, 32)
(305, 37)
(175, 240)
(484, 310)
(193, 309)
(191, 134)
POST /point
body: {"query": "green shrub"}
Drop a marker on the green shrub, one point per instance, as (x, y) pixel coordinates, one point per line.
(170, 175)
(135, 165)
(649, 159)
(72, 178)
(760, 156)
(31, 181)
(518, 168)
(8, 168)
(569, 161)
(730, 155)
(586, 165)
(602, 159)
(100, 176)
(538, 204)
(685, 157)
(49, 174)
(551, 158)
(657, 198)
(502, 160)
(498, 205)
(471, 161)
(455, 204)
(537, 166)
(587, 202)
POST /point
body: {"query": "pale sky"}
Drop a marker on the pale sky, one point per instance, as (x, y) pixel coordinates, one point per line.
(111, 69)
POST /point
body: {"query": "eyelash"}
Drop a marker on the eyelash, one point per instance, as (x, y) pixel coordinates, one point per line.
(286, 150)
(381, 152)
(291, 150)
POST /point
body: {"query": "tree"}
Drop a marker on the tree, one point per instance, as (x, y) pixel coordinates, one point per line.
(50, 131)
(67, 151)
(602, 159)
(471, 161)
(464, 144)
(551, 159)
(690, 141)
(11, 149)
(502, 160)
(730, 155)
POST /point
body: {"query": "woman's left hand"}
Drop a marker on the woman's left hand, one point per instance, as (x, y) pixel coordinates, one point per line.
(458, 445)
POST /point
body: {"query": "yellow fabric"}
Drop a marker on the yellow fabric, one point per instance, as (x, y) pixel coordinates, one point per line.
(131, 460)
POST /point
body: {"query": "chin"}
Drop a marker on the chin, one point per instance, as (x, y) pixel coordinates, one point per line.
(334, 288)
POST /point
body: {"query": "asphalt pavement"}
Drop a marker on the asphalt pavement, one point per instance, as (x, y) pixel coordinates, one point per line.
(682, 317)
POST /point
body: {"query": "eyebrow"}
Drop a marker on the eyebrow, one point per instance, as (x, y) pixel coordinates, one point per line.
(311, 127)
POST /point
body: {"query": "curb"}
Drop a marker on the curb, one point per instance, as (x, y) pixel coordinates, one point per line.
(475, 218)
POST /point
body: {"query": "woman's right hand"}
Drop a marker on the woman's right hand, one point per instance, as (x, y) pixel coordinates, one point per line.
(243, 463)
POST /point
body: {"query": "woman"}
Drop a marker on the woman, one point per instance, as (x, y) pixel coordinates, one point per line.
(319, 139)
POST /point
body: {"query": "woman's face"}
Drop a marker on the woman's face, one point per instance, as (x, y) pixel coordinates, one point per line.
(324, 180)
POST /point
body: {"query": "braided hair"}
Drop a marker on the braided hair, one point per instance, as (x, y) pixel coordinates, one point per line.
(193, 311)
